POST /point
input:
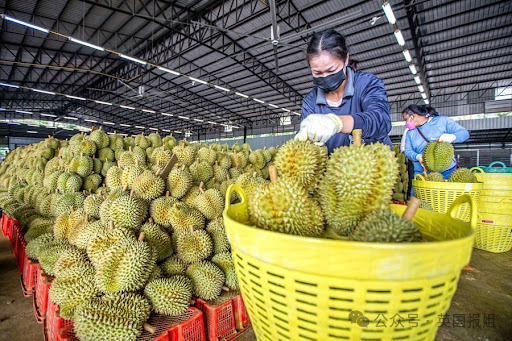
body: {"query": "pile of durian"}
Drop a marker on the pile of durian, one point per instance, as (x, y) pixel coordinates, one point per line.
(402, 183)
(120, 240)
(437, 157)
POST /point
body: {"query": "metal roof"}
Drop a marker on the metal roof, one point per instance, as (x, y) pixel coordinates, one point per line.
(462, 49)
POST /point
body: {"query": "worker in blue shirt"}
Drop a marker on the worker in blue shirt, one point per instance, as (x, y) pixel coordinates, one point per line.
(425, 125)
(343, 98)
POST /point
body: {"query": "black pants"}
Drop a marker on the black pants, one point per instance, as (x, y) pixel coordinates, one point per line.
(410, 171)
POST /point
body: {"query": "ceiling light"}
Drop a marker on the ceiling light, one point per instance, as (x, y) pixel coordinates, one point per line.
(413, 69)
(197, 80)
(168, 70)
(417, 79)
(214, 123)
(109, 123)
(132, 59)
(140, 127)
(177, 131)
(166, 130)
(399, 38)
(86, 44)
(407, 55)
(296, 113)
(23, 112)
(2, 109)
(104, 103)
(284, 109)
(44, 92)
(426, 101)
(151, 128)
(89, 120)
(48, 115)
(389, 13)
(241, 95)
(183, 117)
(149, 111)
(423, 95)
(127, 107)
(198, 120)
(420, 88)
(71, 118)
(124, 125)
(76, 97)
(221, 88)
(9, 85)
(166, 114)
(26, 24)
(32, 131)
(272, 105)
(258, 100)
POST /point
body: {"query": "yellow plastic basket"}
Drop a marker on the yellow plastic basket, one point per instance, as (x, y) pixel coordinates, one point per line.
(496, 205)
(496, 182)
(440, 195)
(300, 288)
(493, 238)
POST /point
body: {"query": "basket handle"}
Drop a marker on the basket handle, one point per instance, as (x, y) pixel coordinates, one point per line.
(419, 177)
(497, 163)
(464, 199)
(235, 188)
(477, 170)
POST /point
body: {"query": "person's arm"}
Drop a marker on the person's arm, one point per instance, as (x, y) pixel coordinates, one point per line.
(409, 151)
(451, 127)
(374, 120)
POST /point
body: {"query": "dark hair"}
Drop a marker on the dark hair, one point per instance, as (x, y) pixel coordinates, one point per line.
(330, 41)
(421, 110)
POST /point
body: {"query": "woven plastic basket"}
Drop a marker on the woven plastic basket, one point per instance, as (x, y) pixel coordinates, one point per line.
(318, 289)
(502, 168)
(441, 195)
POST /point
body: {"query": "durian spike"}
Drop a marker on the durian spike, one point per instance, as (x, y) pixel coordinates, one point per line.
(412, 206)
(356, 136)
(201, 187)
(272, 171)
(149, 328)
(142, 235)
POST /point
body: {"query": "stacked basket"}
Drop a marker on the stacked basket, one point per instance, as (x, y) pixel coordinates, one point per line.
(494, 224)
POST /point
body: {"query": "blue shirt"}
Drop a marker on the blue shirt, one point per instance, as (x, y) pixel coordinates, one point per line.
(433, 129)
(365, 99)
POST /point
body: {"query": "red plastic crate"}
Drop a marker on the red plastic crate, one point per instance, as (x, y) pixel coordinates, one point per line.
(11, 225)
(3, 224)
(54, 323)
(14, 239)
(28, 277)
(241, 315)
(42, 286)
(219, 318)
(20, 254)
(396, 202)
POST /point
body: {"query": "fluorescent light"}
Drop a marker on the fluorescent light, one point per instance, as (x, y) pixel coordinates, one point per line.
(272, 105)
(198, 120)
(413, 69)
(86, 44)
(89, 120)
(241, 94)
(417, 79)
(75, 97)
(420, 88)
(168, 70)
(178, 131)
(24, 112)
(423, 95)
(296, 113)
(183, 117)
(221, 88)
(258, 100)
(9, 85)
(71, 118)
(32, 131)
(166, 114)
(425, 100)
(166, 130)
(211, 122)
(284, 109)
(127, 107)
(48, 115)
(132, 59)
(151, 128)
(26, 24)
(407, 55)
(2, 109)
(109, 123)
(389, 13)
(124, 125)
(150, 111)
(197, 80)
(140, 127)
(399, 38)
(44, 92)
(104, 103)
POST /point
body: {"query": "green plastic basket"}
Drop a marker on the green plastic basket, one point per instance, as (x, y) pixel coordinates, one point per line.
(501, 169)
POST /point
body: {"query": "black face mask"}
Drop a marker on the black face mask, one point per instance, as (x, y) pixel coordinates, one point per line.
(330, 82)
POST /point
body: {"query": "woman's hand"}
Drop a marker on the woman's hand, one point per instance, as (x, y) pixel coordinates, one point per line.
(319, 128)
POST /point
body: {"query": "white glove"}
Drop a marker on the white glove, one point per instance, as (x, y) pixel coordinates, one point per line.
(319, 128)
(419, 157)
(447, 138)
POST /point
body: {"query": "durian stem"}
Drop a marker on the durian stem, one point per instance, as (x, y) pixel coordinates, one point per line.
(412, 207)
(225, 288)
(330, 234)
(356, 136)
(272, 171)
(150, 220)
(142, 235)
(131, 193)
(149, 328)
(201, 187)
(64, 330)
(192, 302)
(191, 229)
(111, 225)
(167, 194)
(125, 188)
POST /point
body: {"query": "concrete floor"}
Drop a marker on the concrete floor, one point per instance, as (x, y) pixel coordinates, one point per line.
(486, 288)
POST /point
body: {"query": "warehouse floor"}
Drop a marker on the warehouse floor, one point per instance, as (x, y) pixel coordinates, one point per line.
(484, 288)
